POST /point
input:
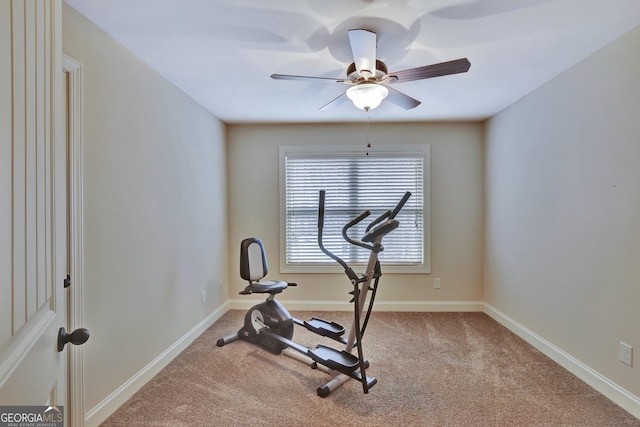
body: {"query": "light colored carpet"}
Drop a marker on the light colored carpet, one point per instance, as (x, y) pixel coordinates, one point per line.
(433, 369)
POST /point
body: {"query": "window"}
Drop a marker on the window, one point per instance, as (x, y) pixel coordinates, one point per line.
(355, 179)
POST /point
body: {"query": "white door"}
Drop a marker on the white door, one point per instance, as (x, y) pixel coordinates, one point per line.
(33, 204)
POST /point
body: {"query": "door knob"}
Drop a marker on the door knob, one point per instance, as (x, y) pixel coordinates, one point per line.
(77, 337)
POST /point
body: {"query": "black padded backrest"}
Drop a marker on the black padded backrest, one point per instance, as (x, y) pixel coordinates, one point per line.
(253, 260)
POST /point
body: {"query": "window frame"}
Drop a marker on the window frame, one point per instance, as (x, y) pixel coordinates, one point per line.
(351, 150)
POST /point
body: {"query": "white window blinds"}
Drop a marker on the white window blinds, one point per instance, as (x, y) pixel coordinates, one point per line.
(354, 182)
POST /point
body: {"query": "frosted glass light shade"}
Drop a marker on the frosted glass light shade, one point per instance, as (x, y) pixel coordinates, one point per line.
(367, 96)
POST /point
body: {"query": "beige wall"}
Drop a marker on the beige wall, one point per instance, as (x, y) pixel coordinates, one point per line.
(563, 210)
(555, 217)
(154, 210)
(456, 206)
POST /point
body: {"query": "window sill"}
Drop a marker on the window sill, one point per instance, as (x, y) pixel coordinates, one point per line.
(358, 268)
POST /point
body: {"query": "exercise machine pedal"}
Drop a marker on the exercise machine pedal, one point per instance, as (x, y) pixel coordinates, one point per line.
(324, 328)
(339, 360)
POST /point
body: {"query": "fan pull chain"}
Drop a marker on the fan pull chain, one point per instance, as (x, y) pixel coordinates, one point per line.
(368, 132)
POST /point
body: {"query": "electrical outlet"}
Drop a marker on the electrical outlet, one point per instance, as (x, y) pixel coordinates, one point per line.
(626, 354)
(436, 283)
(203, 297)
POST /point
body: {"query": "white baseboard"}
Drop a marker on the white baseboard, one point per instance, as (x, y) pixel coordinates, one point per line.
(123, 393)
(611, 390)
(414, 306)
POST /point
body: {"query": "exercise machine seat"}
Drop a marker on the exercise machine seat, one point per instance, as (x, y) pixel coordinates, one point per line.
(254, 268)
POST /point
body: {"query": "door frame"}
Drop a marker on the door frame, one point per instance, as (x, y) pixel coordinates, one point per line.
(73, 72)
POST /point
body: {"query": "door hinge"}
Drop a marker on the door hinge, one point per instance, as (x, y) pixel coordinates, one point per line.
(67, 281)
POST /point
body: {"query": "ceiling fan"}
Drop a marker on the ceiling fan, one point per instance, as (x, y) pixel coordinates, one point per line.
(368, 77)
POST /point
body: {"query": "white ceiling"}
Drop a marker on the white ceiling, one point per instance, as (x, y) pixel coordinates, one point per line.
(222, 52)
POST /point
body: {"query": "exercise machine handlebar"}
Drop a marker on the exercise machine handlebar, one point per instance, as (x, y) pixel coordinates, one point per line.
(353, 222)
(321, 210)
(377, 220)
(400, 205)
(357, 219)
(348, 270)
(388, 215)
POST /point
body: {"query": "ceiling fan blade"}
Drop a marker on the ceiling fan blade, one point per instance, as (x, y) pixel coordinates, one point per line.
(307, 78)
(363, 47)
(334, 102)
(401, 100)
(442, 69)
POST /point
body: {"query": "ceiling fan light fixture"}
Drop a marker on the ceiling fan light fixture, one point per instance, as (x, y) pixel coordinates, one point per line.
(367, 96)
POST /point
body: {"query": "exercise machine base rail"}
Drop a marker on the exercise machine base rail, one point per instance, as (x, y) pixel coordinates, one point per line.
(338, 378)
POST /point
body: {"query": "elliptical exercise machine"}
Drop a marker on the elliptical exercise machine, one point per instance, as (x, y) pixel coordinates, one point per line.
(270, 325)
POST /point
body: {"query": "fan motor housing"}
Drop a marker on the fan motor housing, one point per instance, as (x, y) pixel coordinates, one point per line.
(381, 71)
